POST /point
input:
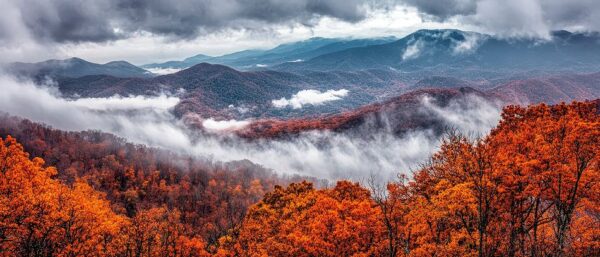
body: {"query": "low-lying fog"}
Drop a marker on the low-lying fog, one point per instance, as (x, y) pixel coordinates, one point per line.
(147, 120)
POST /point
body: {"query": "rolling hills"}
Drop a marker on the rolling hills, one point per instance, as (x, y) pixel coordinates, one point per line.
(396, 115)
(77, 67)
(219, 91)
(551, 89)
(210, 89)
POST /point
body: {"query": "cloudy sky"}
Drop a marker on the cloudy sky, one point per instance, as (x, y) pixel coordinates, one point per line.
(143, 31)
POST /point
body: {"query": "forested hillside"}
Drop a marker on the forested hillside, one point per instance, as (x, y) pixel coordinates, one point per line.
(209, 197)
(529, 188)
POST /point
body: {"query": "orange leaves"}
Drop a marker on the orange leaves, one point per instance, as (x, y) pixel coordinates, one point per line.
(32, 209)
(526, 189)
(550, 154)
(302, 221)
(43, 216)
(518, 191)
(212, 199)
(530, 188)
(39, 216)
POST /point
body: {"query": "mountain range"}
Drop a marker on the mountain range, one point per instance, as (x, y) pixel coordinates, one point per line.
(290, 52)
(218, 91)
(467, 54)
(212, 90)
(516, 70)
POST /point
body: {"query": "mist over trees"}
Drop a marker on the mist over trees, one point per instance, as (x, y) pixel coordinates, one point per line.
(529, 188)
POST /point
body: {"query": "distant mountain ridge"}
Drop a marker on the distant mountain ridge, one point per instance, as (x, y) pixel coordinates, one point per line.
(77, 67)
(464, 53)
(185, 63)
(290, 52)
(445, 52)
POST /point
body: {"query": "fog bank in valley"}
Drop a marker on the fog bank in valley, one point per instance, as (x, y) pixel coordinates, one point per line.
(323, 154)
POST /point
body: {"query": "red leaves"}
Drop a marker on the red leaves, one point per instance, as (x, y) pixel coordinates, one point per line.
(530, 188)
(302, 221)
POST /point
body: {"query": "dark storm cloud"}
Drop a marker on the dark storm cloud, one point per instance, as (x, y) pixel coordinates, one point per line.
(61, 21)
(64, 20)
(96, 21)
(515, 17)
(443, 9)
(583, 13)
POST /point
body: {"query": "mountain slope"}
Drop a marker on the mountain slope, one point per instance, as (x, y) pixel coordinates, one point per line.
(442, 82)
(465, 54)
(217, 90)
(76, 67)
(290, 52)
(550, 90)
(187, 62)
(218, 87)
(399, 115)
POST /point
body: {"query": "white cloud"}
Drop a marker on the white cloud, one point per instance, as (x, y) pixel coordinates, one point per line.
(220, 125)
(163, 71)
(142, 48)
(513, 18)
(241, 109)
(413, 50)
(469, 45)
(333, 155)
(115, 103)
(474, 115)
(139, 119)
(310, 97)
(533, 18)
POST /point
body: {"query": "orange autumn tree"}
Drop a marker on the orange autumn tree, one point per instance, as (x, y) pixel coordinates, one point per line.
(158, 232)
(548, 157)
(40, 216)
(135, 178)
(452, 201)
(527, 189)
(302, 221)
(530, 188)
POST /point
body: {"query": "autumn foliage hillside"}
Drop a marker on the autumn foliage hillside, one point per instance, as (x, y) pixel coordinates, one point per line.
(210, 197)
(40, 216)
(530, 188)
(402, 113)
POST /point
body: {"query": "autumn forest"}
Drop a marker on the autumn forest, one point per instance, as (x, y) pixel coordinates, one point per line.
(299, 128)
(529, 188)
